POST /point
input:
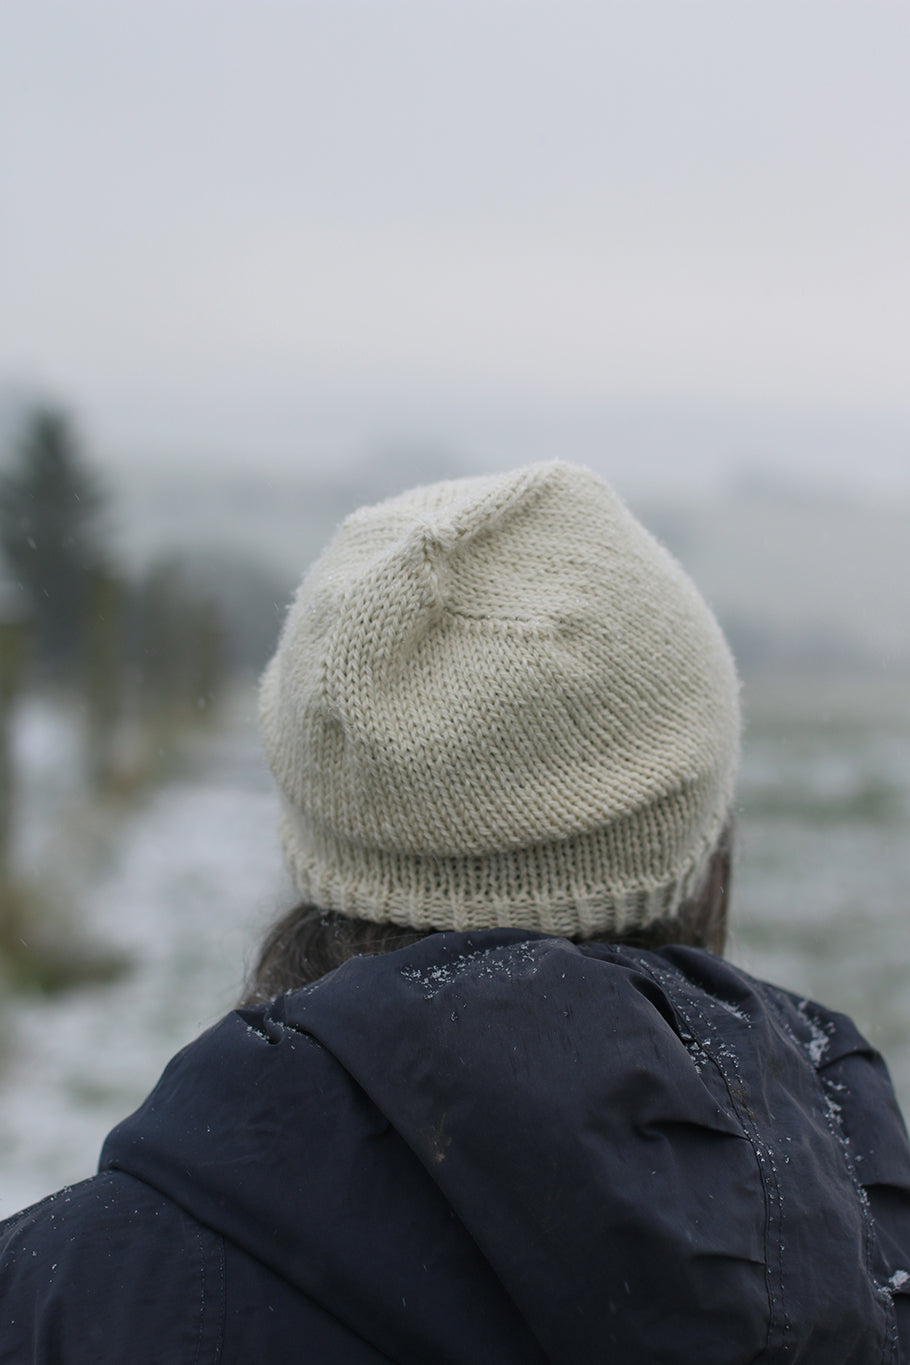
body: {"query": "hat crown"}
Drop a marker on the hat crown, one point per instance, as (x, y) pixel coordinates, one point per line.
(487, 666)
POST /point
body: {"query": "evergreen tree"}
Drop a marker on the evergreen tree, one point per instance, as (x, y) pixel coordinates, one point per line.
(51, 510)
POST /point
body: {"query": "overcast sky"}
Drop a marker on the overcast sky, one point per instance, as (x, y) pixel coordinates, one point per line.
(264, 232)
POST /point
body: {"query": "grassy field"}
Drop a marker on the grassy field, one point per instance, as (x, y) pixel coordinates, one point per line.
(823, 864)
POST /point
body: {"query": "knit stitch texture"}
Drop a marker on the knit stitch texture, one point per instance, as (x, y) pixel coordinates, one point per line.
(499, 702)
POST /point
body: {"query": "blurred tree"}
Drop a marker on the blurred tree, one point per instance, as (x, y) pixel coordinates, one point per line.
(103, 661)
(179, 649)
(13, 630)
(51, 510)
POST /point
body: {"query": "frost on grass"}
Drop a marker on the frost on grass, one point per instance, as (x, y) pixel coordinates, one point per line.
(185, 877)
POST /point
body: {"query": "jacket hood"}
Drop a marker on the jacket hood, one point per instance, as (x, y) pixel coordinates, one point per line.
(505, 1146)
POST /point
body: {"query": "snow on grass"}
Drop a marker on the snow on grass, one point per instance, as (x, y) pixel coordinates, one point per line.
(195, 875)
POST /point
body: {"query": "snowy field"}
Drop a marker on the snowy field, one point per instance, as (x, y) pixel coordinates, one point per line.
(184, 879)
(823, 878)
(183, 882)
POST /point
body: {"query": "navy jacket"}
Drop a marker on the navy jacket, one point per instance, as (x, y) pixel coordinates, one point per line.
(493, 1147)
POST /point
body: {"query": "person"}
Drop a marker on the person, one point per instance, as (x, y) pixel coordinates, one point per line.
(493, 1094)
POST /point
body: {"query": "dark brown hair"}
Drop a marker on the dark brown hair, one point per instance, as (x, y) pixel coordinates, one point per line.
(308, 942)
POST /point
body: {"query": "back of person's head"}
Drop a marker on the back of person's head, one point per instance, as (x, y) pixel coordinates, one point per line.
(499, 702)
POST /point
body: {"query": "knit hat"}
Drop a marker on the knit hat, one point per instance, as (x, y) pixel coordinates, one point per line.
(499, 702)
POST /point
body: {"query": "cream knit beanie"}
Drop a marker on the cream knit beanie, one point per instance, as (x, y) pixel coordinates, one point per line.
(498, 701)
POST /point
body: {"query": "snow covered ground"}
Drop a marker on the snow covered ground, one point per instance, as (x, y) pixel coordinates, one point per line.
(822, 885)
(185, 879)
(192, 875)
